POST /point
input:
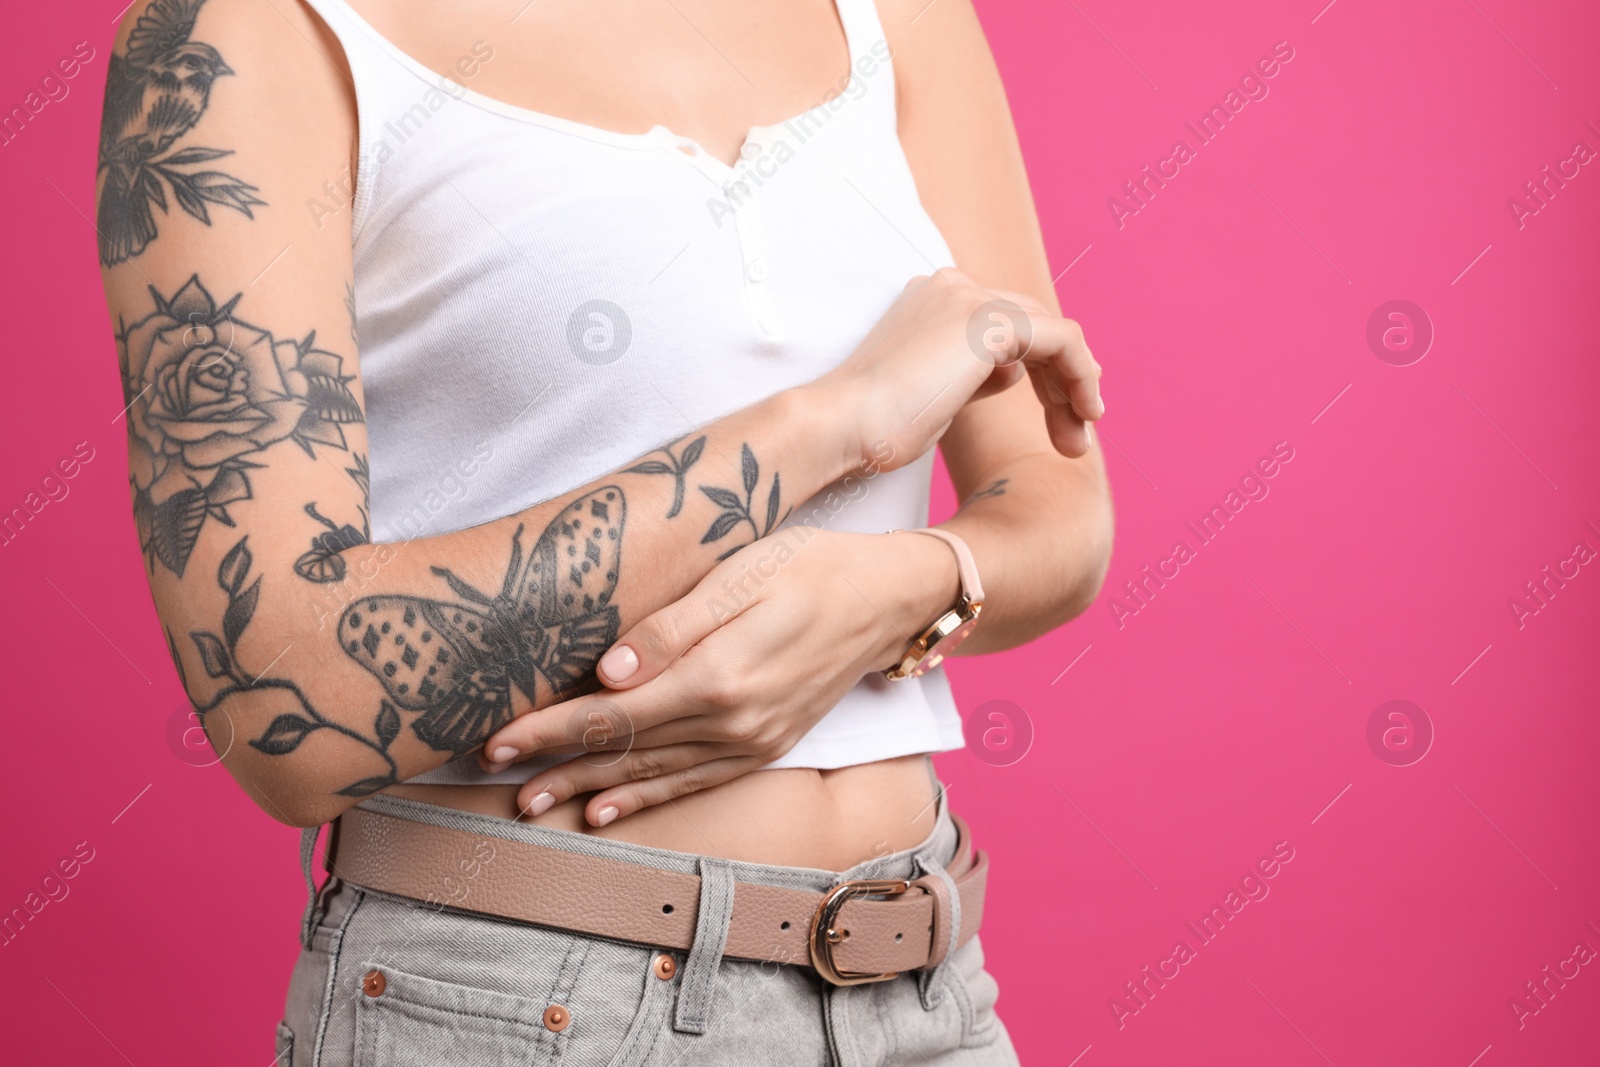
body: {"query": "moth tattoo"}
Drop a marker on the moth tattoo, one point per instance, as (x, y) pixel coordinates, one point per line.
(456, 661)
(155, 94)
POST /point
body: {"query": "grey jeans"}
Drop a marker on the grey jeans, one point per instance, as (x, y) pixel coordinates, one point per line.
(460, 988)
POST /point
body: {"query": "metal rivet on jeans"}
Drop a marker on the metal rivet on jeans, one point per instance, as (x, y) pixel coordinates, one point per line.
(556, 1018)
(373, 983)
(665, 966)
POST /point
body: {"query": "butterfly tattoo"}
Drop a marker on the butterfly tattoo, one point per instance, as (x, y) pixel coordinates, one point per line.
(456, 661)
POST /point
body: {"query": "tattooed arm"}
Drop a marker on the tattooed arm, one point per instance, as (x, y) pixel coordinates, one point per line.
(247, 442)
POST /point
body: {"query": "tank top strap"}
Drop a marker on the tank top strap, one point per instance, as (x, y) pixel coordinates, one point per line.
(393, 93)
(862, 27)
(375, 62)
(870, 56)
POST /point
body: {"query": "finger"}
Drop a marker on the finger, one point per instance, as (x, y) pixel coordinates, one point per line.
(602, 770)
(678, 731)
(1000, 379)
(1070, 433)
(1055, 347)
(1058, 348)
(654, 642)
(595, 722)
(612, 804)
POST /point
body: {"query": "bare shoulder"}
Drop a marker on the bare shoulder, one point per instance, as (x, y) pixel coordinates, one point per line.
(935, 42)
(955, 126)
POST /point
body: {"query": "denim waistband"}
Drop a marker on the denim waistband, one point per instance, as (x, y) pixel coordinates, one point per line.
(934, 851)
(717, 881)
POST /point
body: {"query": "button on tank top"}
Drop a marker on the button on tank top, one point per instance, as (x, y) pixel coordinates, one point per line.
(542, 301)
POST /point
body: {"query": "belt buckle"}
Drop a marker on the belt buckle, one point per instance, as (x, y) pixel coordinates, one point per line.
(825, 933)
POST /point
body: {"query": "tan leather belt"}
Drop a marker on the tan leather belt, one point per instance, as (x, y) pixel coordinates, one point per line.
(856, 931)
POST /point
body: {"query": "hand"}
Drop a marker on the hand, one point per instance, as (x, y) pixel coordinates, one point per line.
(730, 677)
(946, 341)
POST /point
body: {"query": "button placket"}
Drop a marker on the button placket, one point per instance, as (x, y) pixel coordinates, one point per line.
(747, 225)
(752, 246)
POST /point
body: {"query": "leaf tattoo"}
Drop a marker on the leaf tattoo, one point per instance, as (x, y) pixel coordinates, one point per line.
(736, 510)
(219, 655)
(360, 474)
(155, 93)
(677, 466)
(994, 488)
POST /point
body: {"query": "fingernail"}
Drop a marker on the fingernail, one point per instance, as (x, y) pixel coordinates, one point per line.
(619, 664)
(605, 815)
(503, 754)
(1088, 429)
(541, 803)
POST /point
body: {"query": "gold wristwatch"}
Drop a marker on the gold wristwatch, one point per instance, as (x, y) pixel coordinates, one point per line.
(931, 646)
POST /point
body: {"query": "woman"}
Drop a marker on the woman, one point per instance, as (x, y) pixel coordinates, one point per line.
(658, 324)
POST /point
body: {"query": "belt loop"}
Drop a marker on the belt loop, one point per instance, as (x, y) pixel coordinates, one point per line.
(697, 983)
(313, 912)
(946, 930)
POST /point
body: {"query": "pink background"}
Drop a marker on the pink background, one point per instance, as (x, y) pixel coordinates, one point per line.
(1169, 753)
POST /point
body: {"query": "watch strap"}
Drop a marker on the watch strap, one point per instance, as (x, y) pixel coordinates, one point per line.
(971, 586)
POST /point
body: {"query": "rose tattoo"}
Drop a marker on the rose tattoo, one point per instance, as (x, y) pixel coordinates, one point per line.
(206, 391)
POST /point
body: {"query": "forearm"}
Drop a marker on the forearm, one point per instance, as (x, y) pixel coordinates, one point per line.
(1040, 530)
(330, 692)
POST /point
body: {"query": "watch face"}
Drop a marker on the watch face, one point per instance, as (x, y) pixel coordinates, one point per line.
(945, 646)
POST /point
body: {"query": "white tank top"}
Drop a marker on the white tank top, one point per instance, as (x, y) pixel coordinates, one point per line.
(542, 301)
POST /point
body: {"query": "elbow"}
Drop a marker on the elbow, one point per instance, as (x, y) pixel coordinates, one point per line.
(296, 803)
(300, 780)
(1095, 561)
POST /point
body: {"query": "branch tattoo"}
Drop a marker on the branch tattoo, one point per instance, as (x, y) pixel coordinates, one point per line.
(676, 465)
(155, 93)
(737, 510)
(219, 655)
(994, 488)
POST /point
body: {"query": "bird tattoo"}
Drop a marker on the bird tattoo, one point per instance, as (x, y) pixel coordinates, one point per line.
(155, 94)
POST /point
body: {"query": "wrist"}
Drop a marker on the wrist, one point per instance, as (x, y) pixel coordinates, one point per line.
(921, 581)
(834, 423)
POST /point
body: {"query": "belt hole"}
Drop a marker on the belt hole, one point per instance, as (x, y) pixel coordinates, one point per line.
(666, 909)
(784, 925)
(899, 937)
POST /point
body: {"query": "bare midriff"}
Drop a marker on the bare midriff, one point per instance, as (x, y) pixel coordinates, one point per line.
(826, 819)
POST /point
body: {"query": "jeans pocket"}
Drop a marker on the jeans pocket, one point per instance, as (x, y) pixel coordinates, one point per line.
(406, 1020)
(409, 1020)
